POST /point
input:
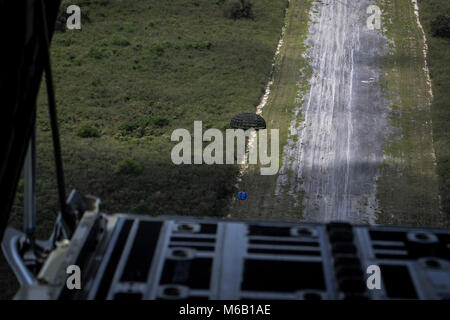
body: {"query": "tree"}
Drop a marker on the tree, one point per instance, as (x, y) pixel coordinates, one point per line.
(238, 9)
(440, 26)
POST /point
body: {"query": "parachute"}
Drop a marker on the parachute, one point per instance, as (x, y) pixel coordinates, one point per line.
(247, 121)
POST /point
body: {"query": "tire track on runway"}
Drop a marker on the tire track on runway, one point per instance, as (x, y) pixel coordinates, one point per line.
(339, 145)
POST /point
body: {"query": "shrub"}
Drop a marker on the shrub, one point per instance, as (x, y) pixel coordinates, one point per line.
(96, 82)
(237, 9)
(128, 166)
(160, 121)
(199, 45)
(96, 53)
(158, 49)
(440, 26)
(129, 127)
(86, 130)
(66, 42)
(120, 42)
(141, 207)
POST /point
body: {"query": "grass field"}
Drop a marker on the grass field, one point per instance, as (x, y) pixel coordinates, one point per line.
(409, 163)
(439, 64)
(131, 76)
(135, 72)
(279, 112)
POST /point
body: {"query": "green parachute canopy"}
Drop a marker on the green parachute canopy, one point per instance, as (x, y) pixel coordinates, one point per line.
(247, 121)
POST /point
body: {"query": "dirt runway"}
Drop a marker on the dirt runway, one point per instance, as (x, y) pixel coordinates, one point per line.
(333, 154)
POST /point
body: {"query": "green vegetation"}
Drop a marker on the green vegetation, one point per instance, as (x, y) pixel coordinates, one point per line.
(86, 130)
(439, 64)
(160, 121)
(117, 41)
(138, 70)
(238, 9)
(288, 83)
(440, 26)
(128, 166)
(409, 163)
(134, 73)
(142, 207)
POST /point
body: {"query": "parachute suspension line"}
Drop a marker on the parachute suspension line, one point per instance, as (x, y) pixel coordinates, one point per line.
(68, 220)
